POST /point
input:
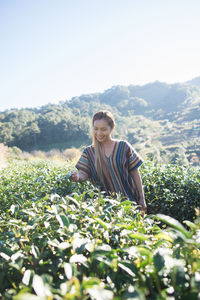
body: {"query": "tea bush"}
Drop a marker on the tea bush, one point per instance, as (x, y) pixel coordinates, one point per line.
(32, 180)
(172, 190)
(60, 240)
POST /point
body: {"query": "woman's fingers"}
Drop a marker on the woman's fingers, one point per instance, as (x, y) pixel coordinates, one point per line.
(74, 176)
(143, 208)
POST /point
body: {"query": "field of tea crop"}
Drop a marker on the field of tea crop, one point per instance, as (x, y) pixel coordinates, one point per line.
(64, 240)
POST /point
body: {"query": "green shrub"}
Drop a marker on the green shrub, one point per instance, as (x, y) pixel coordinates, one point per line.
(32, 180)
(60, 240)
(171, 189)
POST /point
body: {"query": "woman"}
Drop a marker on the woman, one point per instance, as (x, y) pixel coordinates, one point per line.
(111, 164)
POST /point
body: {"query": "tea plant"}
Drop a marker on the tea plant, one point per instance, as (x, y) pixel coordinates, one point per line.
(60, 240)
(172, 190)
(27, 181)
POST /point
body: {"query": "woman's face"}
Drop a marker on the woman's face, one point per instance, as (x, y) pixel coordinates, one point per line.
(102, 130)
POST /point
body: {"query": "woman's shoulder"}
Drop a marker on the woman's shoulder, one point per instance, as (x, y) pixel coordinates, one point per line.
(123, 143)
(125, 146)
(88, 149)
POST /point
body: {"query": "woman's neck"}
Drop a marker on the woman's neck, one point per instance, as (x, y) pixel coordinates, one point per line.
(108, 142)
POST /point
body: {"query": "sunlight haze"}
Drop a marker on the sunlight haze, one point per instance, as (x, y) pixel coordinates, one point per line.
(52, 51)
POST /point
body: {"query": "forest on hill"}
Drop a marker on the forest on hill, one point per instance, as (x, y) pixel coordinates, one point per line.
(161, 120)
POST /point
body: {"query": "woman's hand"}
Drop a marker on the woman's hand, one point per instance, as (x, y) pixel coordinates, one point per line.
(138, 182)
(75, 176)
(79, 176)
(143, 206)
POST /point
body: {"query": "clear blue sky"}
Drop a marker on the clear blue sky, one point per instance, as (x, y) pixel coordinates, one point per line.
(52, 50)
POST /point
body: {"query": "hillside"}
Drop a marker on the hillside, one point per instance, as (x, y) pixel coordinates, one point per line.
(195, 81)
(161, 120)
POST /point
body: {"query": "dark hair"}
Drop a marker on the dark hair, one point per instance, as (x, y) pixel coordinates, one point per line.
(105, 115)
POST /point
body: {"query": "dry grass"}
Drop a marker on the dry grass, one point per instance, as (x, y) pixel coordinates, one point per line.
(70, 154)
(3, 155)
(9, 154)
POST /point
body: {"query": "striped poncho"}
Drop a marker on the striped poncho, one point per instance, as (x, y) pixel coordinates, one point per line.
(121, 162)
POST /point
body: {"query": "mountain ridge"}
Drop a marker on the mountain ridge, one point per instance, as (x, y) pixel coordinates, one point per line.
(156, 118)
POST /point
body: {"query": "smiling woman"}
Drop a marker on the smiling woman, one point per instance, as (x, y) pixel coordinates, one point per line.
(111, 164)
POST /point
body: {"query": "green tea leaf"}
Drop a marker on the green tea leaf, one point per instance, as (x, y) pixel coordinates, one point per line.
(39, 287)
(98, 293)
(73, 200)
(78, 258)
(126, 202)
(159, 262)
(68, 271)
(27, 277)
(35, 251)
(102, 223)
(64, 245)
(28, 296)
(5, 256)
(138, 236)
(173, 223)
(126, 269)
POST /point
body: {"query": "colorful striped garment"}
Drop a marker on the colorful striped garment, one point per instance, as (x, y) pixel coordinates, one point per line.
(121, 161)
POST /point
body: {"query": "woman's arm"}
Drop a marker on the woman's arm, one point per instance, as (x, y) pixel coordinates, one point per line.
(138, 183)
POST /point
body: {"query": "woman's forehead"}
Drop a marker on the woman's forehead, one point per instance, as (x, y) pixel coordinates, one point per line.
(101, 123)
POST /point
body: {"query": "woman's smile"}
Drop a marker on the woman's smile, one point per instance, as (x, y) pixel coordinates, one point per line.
(100, 137)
